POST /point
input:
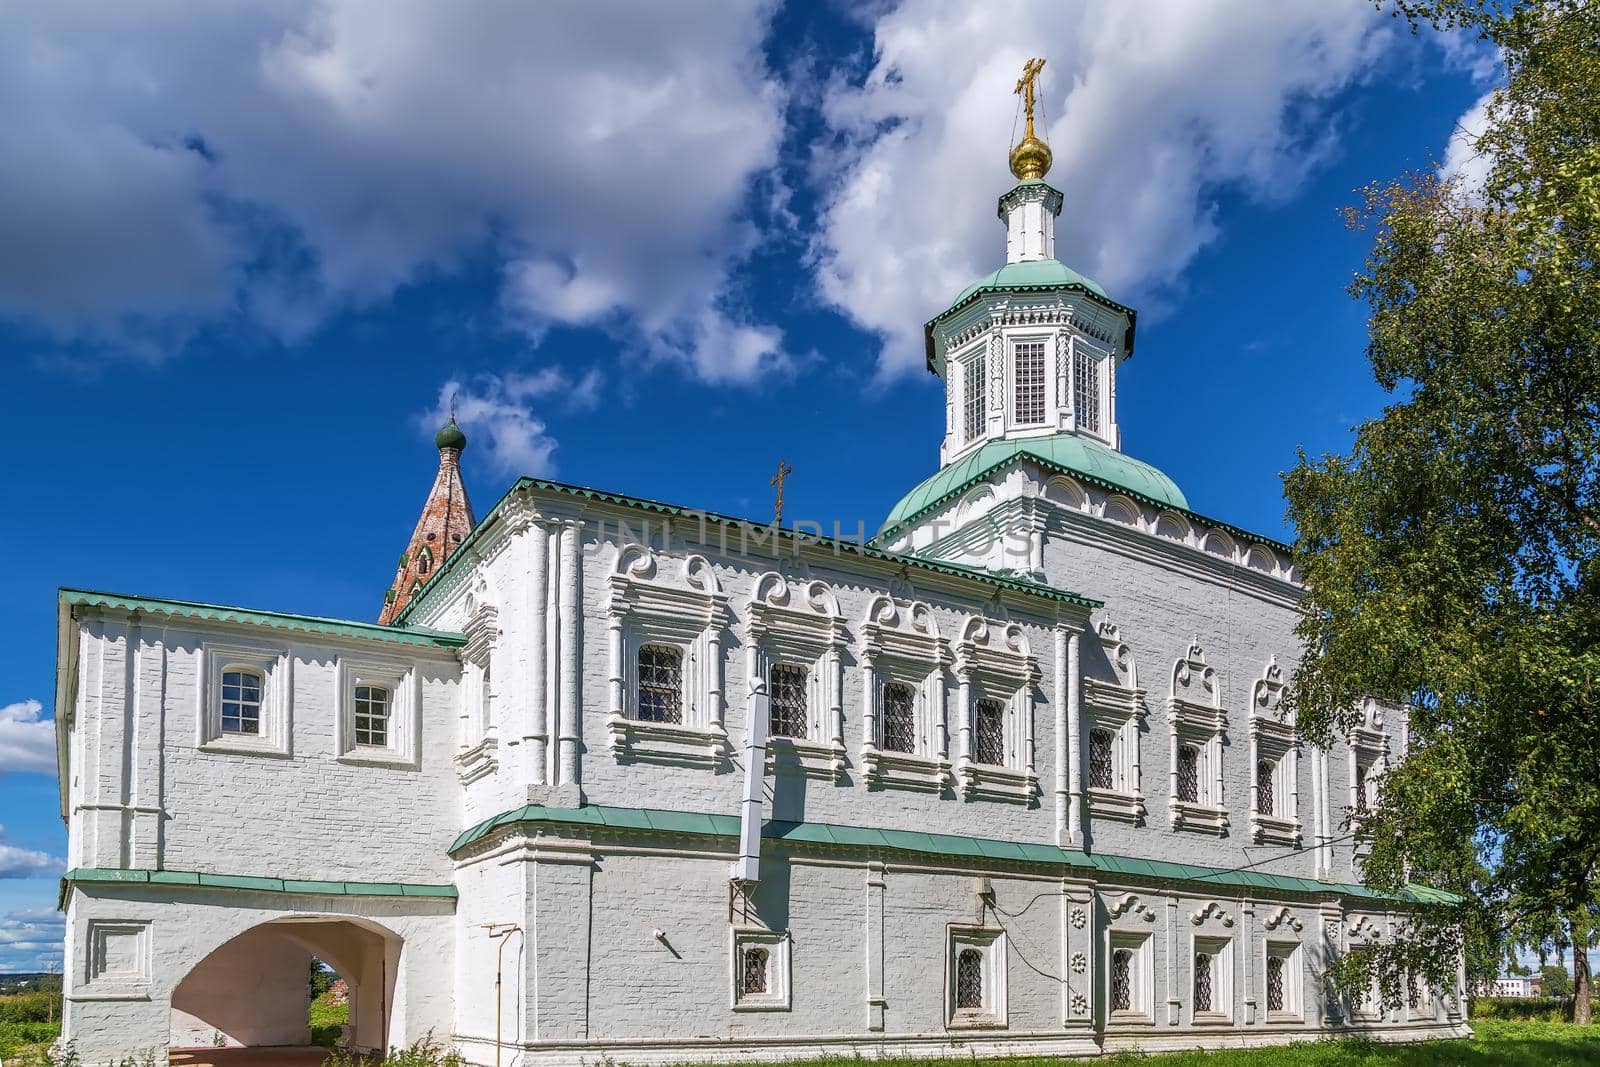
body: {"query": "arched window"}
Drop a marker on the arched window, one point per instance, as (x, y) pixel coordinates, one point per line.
(424, 560)
(1264, 798)
(1202, 981)
(969, 979)
(1189, 774)
(1102, 774)
(899, 718)
(754, 977)
(1122, 980)
(787, 688)
(372, 715)
(990, 735)
(660, 684)
(241, 700)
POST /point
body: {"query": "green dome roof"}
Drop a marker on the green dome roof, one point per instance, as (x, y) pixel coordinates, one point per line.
(1062, 451)
(1037, 274)
(450, 436)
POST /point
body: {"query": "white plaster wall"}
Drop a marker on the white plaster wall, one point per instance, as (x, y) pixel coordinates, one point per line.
(250, 991)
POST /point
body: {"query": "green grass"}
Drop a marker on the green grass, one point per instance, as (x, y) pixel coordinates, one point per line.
(326, 1018)
(26, 1042)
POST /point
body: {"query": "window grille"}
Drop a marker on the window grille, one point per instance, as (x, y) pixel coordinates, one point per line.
(1202, 982)
(969, 979)
(660, 684)
(372, 715)
(241, 702)
(1086, 389)
(1028, 382)
(1361, 787)
(787, 686)
(1122, 980)
(991, 739)
(899, 718)
(1189, 774)
(1101, 745)
(754, 979)
(1274, 983)
(1413, 993)
(973, 398)
(1264, 798)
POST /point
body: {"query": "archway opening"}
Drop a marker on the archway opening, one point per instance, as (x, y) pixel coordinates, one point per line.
(257, 989)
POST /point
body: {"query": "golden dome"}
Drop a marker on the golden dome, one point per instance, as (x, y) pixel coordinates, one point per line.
(1030, 159)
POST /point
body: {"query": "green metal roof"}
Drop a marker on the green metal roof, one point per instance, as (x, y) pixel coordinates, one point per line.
(311, 624)
(1061, 451)
(863, 550)
(944, 846)
(268, 884)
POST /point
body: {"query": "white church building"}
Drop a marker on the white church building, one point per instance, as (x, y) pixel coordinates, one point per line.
(618, 778)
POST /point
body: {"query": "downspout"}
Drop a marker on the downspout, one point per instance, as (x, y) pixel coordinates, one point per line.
(747, 868)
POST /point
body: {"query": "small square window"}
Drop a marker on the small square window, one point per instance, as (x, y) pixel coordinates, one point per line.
(244, 701)
(760, 969)
(899, 718)
(372, 715)
(377, 713)
(977, 977)
(788, 699)
(241, 701)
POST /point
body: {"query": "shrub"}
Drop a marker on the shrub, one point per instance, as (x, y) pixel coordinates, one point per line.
(424, 1052)
(1519, 1009)
(30, 1007)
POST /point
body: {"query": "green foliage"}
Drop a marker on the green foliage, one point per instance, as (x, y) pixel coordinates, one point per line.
(326, 1020)
(18, 1039)
(1451, 557)
(424, 1052)
(1556, 981)
(1521, 1009)
(30, 1007)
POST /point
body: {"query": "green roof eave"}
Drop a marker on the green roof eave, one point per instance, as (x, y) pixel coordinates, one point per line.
(942, 846)
(862, 550)
(258, 883)
(906, 513)
(1058, 278)
(309, 624)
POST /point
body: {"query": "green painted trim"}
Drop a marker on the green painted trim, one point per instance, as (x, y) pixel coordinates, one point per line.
(119, 876)
(943, 846)
(984, 475)
(312, 624)
(864, 551)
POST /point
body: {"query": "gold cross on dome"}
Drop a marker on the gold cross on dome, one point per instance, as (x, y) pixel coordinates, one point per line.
(784, 470)
(1025, 86)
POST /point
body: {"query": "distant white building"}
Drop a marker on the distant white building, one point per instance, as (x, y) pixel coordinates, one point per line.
(1019, 779)
(1517, 985)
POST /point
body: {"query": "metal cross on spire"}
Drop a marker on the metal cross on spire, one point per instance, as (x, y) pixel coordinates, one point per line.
(784, 470)
(1025, 86)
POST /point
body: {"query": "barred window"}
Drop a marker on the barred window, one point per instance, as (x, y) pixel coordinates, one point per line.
(1264, 799)
(1027, 406)
(241, 702)
(899, 718)
(372, 715)
(969, 979)
(1202, 981)
(660, 684)
(1101, 767)
(754, 978)
(991, 733)
(1189, 774)
(1122, 980)
(1361, 787)
(1413, 992)
(787, 686)
(974, 394)
(1275, 983)
(1086, 389)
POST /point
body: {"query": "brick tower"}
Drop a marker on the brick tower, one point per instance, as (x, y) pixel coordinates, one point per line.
(446, 520)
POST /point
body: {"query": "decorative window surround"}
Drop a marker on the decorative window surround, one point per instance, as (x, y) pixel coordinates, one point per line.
(479, 731)
(775, 944)
(990, 945)
(1213, 937)
(993, 662)
(1364, 930)
(1140, 979)
(904, 646)
(1197, 718)
(1369, 759)
(405, 702)
(1273, 740)
(1292, 1009)
(275, 667)
(807, 631)
(688, 616)
(1118, 707)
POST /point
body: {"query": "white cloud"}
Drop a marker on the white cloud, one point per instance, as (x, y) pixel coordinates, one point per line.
(25, 862)
(1150, 108)
(30, 940)
(27, 740)
(1462, 159)
(168, 166)
(497, 414)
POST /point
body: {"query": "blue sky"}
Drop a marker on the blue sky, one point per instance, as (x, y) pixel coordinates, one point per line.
(653, 252)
